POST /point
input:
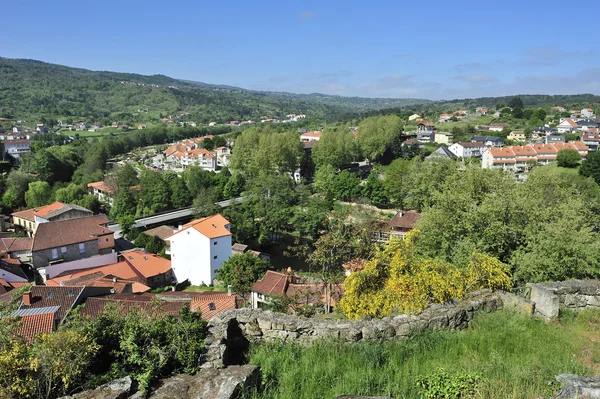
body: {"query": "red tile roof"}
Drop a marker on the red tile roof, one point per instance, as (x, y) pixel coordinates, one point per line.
(405, 219)
(70, 231)
(32, 325)
(16, 244)
(129, 303)
(148, 265)
(211, 227)
(273, 283)
(29, 214)
(211, 305)
(102, 186)
(43, 296)
(355, 264)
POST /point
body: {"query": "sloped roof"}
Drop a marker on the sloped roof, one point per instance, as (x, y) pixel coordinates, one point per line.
(32, 325)
(405, 219)
(102, 186)
(471, 144)
(211, 227)
(29, 214)
(130, 303)
(211, 305)
(149, 265)
(71, 231)
(272, 283)
(121, 270)
(16, 244)
(161, 232)
(43, 297)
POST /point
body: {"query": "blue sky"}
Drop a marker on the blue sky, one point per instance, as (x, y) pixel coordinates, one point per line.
(430, 49)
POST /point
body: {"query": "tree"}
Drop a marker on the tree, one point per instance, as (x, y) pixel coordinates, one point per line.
(376, 135)
(241, 271)
(539, 114)
(205, 203)
(590, 167)
(374, 189)
(516, 102)
(219, 141)
(517, 113)
(208, 144)
(70, 194)
(39, 194)
(346, 186)
(124, 204)
(568, 158)
(397, 280)
(123, 177)
(324, 178)
(336, 148)
(395, 181)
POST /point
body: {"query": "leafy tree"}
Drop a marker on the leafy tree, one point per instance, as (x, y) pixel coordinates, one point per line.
(124, 204)
(70, 194)
(91, 202)
(539, 114)
(336, 148)
(395, 181)
(397, 280)
(324, 178)
(241, 271)
(568, 158)
(197, 179)
(219, 141)
(180, 197)
(205, 203)
(346, 186)
(39, 194)
(376, 135)
(208, 144)
(590, 167)
(516, 102)
(518, 113)
(123, 177)
(374, 189)
(155, 194)
(17, 183)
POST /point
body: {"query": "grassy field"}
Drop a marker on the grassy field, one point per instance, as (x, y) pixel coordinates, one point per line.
(515, 356)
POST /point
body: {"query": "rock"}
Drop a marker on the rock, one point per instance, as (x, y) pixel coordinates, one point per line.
(176, 387)
(117, 389)
(546, 302)
(226, 384)
(576, 387)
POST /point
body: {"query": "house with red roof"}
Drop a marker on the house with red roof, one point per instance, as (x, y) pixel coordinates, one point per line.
(199, 248)
(521, 157)
(30, 219)
(103, 191)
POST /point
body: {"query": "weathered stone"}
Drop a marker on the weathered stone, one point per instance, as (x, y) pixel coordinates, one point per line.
(546, 302)
(265, 323)
(517, 303)
(576, 387)
(592, 300)
(176, 387)
(117, 389)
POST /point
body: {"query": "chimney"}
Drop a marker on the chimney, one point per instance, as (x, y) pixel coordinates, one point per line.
(173, 288)
(180, 227)
(229, 290)
(114, 279)
(27, 298)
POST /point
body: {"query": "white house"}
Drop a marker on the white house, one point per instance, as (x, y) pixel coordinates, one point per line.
(587, 113)
(311, 136)
(199, 248)
(467, 149)
(566, 125)
(16, 147)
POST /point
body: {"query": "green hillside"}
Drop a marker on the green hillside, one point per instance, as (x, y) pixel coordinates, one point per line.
(31, 89)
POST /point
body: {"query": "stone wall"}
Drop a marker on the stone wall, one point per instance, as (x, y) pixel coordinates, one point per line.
(550, 298)
(231, 333)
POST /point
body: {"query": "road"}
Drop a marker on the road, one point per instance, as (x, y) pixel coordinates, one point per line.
(165, 217)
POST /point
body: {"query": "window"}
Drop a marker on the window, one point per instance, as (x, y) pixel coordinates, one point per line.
(106, 239)
(54, 253)
(81, 248)
(215, 257)
(212, 306)
(63, 250)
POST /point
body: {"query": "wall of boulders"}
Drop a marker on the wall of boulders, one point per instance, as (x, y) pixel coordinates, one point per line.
(550, 298)
(231, 333)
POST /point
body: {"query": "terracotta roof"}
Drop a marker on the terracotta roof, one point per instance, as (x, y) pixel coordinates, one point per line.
(211, 227)
(148, 265)
(102, 186)
(504, 161)
(32, 325)
(211, 305)
(129, 303)
(405, 219)
(545, 149)
(502, 152)
(71, 231)
(201, 153)
(273, 283)
(16, 244)
(47, 211)
(43, 297)
(121, 270)
(569, 122)
(523, 150)
(161, 232)
(355, 264)
(579, 145)
(426, 123)
(312, 134)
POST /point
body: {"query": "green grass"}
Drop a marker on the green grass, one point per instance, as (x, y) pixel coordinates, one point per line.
(517, 357)
(202, 288)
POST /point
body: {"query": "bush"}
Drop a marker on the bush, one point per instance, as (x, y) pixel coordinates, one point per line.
(443, 385)
(568, 158)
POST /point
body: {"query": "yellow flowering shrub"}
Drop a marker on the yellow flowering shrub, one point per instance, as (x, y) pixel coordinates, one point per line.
(16, 376)
(396, 280)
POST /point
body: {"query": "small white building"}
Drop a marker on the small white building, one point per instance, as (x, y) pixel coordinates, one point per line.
(199, 248)
(587, 113)
(468, 149)
(566, 125)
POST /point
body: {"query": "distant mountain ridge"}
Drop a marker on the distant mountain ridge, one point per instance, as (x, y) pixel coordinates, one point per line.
(30, 88)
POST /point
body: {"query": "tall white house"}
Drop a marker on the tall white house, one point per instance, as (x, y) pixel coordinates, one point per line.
(199, 248)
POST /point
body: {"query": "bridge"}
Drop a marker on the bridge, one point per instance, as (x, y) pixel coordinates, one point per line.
(169, 216)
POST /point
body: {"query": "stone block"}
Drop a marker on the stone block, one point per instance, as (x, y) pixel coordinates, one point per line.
(576, 387)
(546, 302)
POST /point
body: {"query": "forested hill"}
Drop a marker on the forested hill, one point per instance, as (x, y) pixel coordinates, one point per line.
(31, 89)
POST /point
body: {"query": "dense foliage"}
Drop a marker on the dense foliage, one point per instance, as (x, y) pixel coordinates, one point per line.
(84, 353)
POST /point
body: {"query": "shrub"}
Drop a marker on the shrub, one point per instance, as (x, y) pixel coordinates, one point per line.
(443, 385)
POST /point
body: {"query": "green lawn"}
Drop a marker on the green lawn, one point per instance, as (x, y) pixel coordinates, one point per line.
(202, 288)
(516, 357)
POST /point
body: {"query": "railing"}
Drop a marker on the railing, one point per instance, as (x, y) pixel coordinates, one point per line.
(385, 236)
